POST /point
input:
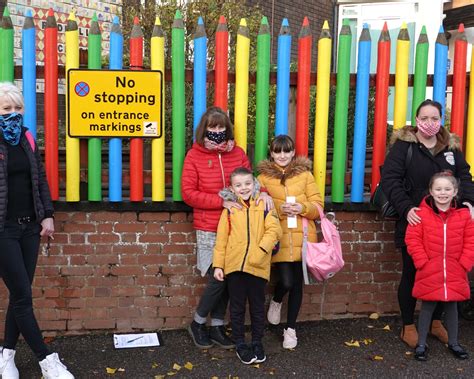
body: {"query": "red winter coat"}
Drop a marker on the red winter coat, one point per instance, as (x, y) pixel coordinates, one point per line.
(442, 248)
(205, 173)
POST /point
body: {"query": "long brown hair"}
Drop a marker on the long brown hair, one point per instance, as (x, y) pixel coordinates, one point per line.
(213, 116)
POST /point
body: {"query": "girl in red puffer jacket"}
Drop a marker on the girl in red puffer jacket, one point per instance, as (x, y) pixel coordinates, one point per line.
(442, 248)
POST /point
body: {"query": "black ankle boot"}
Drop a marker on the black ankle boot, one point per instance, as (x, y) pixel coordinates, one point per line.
(218, 335)
(458, 351)
(420, 353)
(200, 335)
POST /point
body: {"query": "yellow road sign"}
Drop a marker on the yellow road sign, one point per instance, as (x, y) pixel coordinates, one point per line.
(115, 103)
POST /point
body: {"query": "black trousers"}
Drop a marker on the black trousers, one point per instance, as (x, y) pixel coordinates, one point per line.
(214, 299)
(290, 280)
(405, 299)
(243, 286)
(19, 246)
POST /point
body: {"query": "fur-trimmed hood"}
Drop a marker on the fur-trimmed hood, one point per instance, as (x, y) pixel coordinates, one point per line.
(297, 166)
(444, 138)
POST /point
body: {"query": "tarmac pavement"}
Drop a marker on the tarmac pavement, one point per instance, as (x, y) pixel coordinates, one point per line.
(322, 352)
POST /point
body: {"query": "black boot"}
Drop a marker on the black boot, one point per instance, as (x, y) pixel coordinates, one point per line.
(420, 353)
(218, 335)
(200, 335)
(458, 351)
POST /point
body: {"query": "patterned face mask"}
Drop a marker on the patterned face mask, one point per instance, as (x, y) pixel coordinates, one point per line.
(428, 128)
(217, 137)
(11, 124)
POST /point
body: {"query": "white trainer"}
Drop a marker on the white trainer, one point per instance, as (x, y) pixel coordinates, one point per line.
(52, 367)
(274, 313)
(8, 368)
(289, 338)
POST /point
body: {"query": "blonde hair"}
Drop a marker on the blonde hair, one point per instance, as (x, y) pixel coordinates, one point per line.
(12, 92)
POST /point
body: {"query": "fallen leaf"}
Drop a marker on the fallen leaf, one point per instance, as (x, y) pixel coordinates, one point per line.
(460, 369)
(256, 365)
(386, 327)
(189, 366)
(352, 343)
(159, 376)
(408, 353)
(378, 358)
(367, 341)
(215, 377)
(171, 373)
(110, 370)
(370, 326)
(121, 369)
(154, 365)
(48, 339)
(214, 359)
(374, 316)
(176, 367)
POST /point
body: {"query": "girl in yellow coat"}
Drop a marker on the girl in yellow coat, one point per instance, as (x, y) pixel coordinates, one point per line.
(244, 243)
(289, 182)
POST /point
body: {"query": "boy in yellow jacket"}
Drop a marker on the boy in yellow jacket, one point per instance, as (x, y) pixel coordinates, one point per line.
(243, 251)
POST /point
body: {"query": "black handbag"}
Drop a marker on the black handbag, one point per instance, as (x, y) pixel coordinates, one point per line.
(380, 200)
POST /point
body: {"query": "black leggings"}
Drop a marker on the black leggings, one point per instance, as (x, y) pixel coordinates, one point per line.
(290, 279)
(19, 246)
(405, 299)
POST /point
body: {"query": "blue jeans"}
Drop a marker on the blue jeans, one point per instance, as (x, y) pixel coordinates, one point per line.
(19, 244)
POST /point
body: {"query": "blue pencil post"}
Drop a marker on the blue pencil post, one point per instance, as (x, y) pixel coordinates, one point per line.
(440, 70)
(283, 79)
(115, 144)
(28, 46)
(361, 112)
(199, 85)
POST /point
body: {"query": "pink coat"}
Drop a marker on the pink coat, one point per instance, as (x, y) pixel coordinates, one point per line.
(442, 248)
(205, 173)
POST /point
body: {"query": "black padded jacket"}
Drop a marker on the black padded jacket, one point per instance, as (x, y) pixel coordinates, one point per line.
(40, 189)
(406, 187)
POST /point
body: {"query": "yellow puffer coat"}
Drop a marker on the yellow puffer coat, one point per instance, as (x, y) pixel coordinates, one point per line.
(295, 180)
(245, 240)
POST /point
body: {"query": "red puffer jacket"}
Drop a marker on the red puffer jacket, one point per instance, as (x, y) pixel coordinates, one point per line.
(205, 173)
(442, 248)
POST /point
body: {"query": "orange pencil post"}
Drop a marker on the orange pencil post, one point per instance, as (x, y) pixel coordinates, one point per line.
(302, 94)
(221, 65)
(136, 144)
(51, 104)
(459, 84)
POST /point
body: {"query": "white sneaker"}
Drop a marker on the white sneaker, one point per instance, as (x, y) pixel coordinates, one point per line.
(274, 312)
(52, 367)
(289, 338)
(8, 369)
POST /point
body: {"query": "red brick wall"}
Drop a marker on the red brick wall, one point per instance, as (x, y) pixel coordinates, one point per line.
(124, 271)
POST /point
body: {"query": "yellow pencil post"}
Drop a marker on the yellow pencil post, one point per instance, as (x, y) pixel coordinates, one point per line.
(241, 84)
(322, 108)
(158, 144)
(401, 78)
(72, 144)
(470, 118)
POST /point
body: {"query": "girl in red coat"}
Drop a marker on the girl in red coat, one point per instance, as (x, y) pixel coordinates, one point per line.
(442, 248)
(206, 171)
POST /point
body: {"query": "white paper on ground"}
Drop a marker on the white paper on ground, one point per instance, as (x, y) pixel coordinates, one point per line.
(291, 220)
(123, 341)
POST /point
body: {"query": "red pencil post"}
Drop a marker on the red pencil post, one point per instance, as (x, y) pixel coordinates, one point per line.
(136, 144)
(51, 104)
(381, 105)
(302, 92)
(221, 65)
(459, 84)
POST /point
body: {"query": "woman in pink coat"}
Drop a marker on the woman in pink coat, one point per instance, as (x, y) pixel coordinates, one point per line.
(442, 248)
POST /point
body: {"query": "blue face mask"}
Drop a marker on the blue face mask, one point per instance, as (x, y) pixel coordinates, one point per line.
(11, 124)
(217, 137)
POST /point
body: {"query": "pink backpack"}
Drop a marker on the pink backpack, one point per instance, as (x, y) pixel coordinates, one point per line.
(322, 259)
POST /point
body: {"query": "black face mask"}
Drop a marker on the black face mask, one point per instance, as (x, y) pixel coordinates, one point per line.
(217, 137)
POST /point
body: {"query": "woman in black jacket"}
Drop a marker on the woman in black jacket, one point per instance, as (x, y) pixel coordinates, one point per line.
(434, 149)
(26, 215)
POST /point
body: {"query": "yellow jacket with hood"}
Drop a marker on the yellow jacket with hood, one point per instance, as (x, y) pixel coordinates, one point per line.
(294, 180)
(245, 239)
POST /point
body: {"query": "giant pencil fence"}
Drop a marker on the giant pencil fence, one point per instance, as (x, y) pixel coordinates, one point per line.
(361, 176)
